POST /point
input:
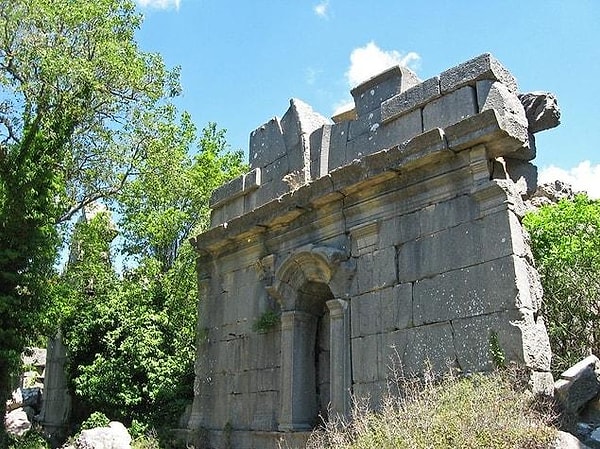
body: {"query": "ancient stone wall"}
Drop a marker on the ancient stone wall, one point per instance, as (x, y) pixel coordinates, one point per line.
(390, 236)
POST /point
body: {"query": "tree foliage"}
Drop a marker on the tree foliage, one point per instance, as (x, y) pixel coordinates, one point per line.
(75, 96)
(566, 246)
(131, 339)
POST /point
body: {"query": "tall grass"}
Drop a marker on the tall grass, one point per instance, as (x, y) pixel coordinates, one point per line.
(492, 410)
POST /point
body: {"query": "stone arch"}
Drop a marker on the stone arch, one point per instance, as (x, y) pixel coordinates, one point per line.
(312, 287)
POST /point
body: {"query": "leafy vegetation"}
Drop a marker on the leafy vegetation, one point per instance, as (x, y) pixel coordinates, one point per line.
(484, 410)
(74, 93)
(565, 240)
(85, 115)
(131, 338)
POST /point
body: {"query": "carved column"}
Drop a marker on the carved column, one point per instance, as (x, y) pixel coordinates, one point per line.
(340, 366)
(298, 398)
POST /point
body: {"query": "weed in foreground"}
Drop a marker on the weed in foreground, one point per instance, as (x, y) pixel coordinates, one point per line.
(492, 410)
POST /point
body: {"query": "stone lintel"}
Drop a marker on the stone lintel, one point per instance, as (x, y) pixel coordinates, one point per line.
(481, 67)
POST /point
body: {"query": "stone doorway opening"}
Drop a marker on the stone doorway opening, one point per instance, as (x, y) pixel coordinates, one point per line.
(312, 299)
(315, 337)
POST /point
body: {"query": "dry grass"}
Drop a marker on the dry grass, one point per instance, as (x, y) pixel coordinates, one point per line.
(484, 410)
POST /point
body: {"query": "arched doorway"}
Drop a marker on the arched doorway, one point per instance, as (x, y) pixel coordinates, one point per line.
(311, 287)
(312, 299)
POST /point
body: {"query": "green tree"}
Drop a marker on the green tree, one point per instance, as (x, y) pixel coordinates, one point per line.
(75, 92)
(566, 246)
(131, 343)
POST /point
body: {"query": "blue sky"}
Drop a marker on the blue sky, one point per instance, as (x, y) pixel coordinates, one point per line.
(241, 61)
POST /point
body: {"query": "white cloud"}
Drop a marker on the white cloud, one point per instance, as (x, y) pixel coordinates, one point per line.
(322, 9)
(583, 177)
(370, 60)
(159, 4)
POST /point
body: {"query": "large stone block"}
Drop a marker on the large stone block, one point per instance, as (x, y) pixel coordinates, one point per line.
(429, 347)
(338, 141)
(266, 144)
(379, 137)
(365, 358)
(457, 247)
(375, 270)
(400, 228)
(466, 292)
(370, 94)
(475, 336)
(415, 97)
(450, 108)
(481, 67)
(447, 214)
(497, 96)
(319, 151)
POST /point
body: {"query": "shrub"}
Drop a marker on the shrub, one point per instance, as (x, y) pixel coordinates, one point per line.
(565, 241)
(492, 411)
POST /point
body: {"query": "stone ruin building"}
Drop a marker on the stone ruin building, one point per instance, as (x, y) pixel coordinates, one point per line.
(390, 236)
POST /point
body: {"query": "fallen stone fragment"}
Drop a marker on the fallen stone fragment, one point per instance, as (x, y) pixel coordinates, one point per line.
(541, 109)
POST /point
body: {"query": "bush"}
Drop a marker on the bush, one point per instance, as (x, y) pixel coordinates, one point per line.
(96, 419)
(492, 411)
(31, 440)
(565, 240)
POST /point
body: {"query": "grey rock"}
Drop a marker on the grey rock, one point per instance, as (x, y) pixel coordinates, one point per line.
(115, 436)
(485, 66)
(565, 440)
(579, 384)
(541, 109)
(550, 193)
(17, 422)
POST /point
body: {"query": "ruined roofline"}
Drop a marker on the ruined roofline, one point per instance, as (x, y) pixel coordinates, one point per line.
(432, 147)
(392, 108)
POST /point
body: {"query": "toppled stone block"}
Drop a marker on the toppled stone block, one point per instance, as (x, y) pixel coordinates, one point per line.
(370, 94)
(541, 109)
(482, 67)
(579, 384)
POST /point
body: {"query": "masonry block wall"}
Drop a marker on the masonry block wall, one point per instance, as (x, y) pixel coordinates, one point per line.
(388, 237)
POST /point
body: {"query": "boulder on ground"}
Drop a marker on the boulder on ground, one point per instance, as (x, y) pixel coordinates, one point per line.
(115, 436)
(17, 423)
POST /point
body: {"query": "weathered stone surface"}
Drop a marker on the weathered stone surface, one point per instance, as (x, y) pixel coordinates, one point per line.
(481, 67)
(370, 94)
(541, 109)
(17, 422)
(579, 384)
(378, 247)
(412, 98)
(266, 144)
(550, 193)
(565, 440)
(115, 436)
(450, 108)
(497, 96)
(56, 404)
